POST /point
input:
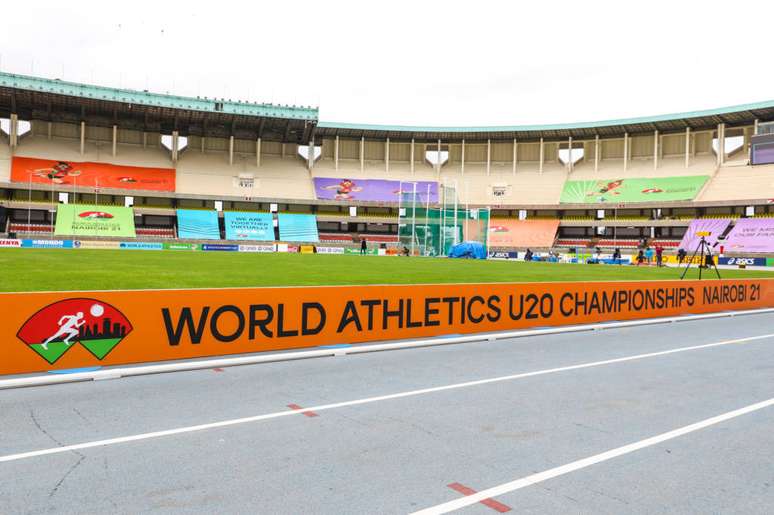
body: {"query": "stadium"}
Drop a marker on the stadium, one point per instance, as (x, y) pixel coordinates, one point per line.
(213, 305)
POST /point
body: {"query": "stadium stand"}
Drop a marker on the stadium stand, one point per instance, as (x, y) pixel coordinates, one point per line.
(251, 158)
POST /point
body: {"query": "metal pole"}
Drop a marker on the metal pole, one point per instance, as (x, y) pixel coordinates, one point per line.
(456, 232)
(427, 216)
(29, 204)
(413, 217)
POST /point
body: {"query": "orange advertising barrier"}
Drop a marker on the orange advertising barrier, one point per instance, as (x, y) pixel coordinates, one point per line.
(522, 233)
(91, 175)
(45, 331)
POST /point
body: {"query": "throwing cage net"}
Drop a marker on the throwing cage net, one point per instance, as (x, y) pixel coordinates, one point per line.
(430, 226)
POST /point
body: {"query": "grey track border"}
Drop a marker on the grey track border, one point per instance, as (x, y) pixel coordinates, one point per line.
(138, 370)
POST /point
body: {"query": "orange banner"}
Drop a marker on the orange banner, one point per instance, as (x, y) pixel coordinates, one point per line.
(91, 175)
(45, 331)
(522, 233)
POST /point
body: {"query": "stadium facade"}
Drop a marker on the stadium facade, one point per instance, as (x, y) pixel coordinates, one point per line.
(608, 183)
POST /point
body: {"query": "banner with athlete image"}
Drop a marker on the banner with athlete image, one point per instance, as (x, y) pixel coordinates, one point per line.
(91, 175)
(375, 190)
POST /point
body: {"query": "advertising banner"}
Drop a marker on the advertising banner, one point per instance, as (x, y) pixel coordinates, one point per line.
(659, 189)
(369, 252)
(180, 246)
(746, 261)
(81, 220)
(375, 190)
(500, 254)
(754, 235)
(330, 250)
(715, 226)
(96, 244)
(47, 244)
(45, 331)
(298, 228)
(197, 224)
(10, 243)
(522, 233)
(249, 226)
(220, 247)
(140, 245)
(91, 175)
(257, 248)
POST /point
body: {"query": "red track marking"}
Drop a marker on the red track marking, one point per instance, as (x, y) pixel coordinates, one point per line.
(217, 370)
(296, 407)
(491, 503)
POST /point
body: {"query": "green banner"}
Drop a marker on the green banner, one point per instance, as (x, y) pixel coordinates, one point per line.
(75, 220)
(633, 190)
(181, 246)
(370, 252)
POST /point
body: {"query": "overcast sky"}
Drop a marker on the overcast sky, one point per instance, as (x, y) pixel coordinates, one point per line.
(414, 62)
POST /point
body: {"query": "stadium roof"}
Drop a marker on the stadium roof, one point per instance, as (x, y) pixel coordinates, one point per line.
(732, 115)
(56, 100)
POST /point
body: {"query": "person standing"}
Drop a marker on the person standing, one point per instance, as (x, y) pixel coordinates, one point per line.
(363, 246)
(659, 256)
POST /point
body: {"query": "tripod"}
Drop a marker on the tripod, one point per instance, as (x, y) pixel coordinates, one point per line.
(704, 250)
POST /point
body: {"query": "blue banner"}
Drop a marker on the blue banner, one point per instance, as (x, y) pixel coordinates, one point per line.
(140, 245)
(747, 261)
(197, 225)
(298, 228)
(47, 244)
(210, 246)
(249, 226)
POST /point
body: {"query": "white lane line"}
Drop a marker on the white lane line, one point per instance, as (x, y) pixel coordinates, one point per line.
(505, 488)
(367, 400)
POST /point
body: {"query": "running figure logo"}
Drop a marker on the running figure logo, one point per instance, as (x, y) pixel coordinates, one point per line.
(68, 325)
(96, 325)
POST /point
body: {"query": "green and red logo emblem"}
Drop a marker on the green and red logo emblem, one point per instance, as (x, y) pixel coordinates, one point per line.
(58, 327)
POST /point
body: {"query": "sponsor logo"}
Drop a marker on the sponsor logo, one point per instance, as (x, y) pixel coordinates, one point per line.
(138, 245)
(330, 250)
(91, 323)
(256, 248)
(498, 228)
(209, 246)
(47, 244)
(103, 215)
(503, 255)
(747, 261)
(10, 243)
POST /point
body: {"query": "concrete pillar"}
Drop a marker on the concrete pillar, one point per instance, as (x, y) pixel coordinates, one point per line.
(462, 159)
(336, 154)
(310, 155)
(755, 126)
(115, 139)
(411, 156)
(49, 130)
(515, 155)
(231, 150)
(387, 156)
(542, 156)
(362, 154)
(488, 155)
(13, 131)
(175, 145)
(569, 153)
(721, 144)
(203, 143)
(83, 137)
(282, 150)
(626, 151)
(438, 160)
(687, 147)
(655, 149)
(258, 152)
(596, 153)
(145, 140)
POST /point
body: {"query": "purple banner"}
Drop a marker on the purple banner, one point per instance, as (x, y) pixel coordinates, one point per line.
(716, 226)
(751, 235)
(327, 188)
